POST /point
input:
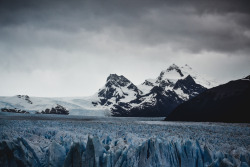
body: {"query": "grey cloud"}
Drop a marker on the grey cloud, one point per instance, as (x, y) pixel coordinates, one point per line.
(190, 25)
(78, 36)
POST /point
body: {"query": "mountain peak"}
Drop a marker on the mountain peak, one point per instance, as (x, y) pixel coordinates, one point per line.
(189, 79)
(117, 80)
(117, 89)
(173, 67)
(112, 77)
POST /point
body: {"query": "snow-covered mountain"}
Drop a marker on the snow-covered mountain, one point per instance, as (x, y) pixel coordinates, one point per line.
(117, 89)
(120, 97)
(154, 97)
(171, 75)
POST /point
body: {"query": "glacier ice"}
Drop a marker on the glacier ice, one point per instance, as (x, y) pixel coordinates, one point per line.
(126, 142)
(153, 152)
(17, 153)
(56, 155)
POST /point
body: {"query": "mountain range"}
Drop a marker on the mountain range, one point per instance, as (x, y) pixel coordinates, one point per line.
(225, 103)
(120, 97)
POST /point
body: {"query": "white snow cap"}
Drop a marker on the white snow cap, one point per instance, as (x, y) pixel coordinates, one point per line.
(172, 74)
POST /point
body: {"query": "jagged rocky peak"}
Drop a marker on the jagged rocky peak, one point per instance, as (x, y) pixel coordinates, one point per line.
(188, 88)
(188, 80)
(119, 81)
(173, 67)
(168, 77)
(176, 68)
(148, 83)
(117, 88)
(173, 72)
(116, 80)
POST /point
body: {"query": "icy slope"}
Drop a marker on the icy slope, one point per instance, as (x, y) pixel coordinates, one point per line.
(106, 142)
(199, 78)
(76, 106)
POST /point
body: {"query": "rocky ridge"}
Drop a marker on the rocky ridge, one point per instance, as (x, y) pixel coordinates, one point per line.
(152, 98)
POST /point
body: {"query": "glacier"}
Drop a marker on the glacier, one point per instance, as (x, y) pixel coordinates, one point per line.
(41, 140)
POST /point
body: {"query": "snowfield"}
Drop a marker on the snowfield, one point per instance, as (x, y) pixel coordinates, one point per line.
(56, 140)
(76, 105)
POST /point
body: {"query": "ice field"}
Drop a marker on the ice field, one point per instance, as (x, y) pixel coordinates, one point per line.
(55, 140)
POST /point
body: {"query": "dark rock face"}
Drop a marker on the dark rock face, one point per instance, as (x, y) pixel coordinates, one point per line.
(26, 98)
(160, 104)
(224, 103)
(148, 83)
(175, 67)
(247, 78)
(188, 86)
(56, 110)
(14, 110)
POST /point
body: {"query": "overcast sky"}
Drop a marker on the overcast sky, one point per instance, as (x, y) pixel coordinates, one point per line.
(68, 48)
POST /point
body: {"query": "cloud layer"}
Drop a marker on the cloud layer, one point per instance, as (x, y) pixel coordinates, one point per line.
(67, 48)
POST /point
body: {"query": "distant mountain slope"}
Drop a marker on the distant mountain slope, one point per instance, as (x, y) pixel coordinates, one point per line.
(75, 105)
(224, 103)
(120, 97)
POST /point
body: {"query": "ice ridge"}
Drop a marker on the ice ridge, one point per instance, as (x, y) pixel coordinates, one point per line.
(154, 152)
